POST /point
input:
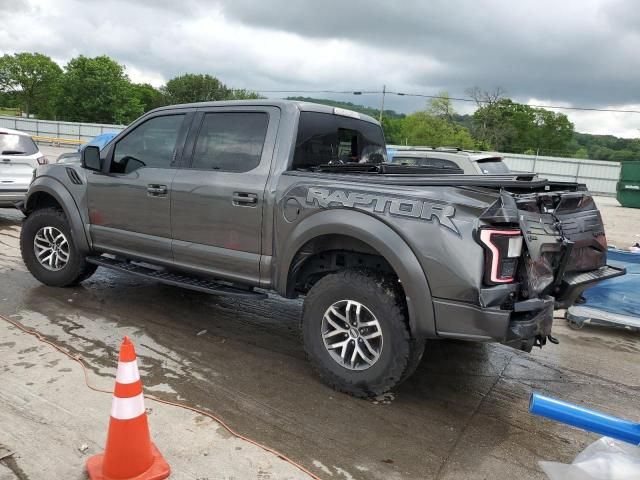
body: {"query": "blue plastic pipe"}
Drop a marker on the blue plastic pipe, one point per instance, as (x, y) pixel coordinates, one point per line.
(585, 419)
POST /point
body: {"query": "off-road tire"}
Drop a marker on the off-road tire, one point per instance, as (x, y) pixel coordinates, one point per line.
(400, 353)
(75, 271)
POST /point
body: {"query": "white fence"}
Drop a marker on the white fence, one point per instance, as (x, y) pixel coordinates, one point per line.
(599, 176)
(81, 132)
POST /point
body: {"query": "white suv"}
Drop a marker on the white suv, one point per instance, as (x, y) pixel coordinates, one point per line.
(19, 157)
(448, 160)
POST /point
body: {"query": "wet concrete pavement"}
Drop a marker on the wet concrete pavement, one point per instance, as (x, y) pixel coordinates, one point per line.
(462, 415)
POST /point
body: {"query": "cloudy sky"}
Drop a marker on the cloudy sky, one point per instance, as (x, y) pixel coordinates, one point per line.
(559, 52)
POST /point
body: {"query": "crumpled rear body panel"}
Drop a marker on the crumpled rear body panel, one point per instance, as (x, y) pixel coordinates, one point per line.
(563, 233)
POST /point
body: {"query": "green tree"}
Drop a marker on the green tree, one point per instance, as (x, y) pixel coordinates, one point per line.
(581, 153)
(31, 77)
(552, 132)
(97, 90)
(242, 94)
(190, 88)
(513, 127)
(148, 96)
(393, 130)
(422, 128)
(441, 106)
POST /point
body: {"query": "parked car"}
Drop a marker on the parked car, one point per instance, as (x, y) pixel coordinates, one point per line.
(99, 141)
(19, 156)
(449, 160)
(296, 198)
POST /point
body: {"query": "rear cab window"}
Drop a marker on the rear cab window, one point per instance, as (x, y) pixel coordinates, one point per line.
(12, 144)
(325, 139)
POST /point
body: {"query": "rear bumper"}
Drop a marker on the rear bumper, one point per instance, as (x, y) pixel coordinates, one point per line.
(527, 328)
(519, 329)
(529, 320)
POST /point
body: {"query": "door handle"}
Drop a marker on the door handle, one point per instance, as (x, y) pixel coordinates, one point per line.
(156, 190)
(245, 199)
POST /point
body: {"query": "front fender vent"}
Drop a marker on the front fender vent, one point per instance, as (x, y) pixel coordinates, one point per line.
(73, 176)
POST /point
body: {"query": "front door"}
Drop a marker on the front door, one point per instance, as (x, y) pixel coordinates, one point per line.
(217, 199)
(130, 201)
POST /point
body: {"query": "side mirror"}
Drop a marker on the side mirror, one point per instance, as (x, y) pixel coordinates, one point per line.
(91, 158)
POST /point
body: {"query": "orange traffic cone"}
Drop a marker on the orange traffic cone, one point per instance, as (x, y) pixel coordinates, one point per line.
(129, 453)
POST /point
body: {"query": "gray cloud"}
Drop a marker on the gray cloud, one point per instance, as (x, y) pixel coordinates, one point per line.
(575, 51)
(581, 52)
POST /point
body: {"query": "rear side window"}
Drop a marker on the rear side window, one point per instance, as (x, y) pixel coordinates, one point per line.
(151, 144)
(324, 138)
(230, 141)
(11, 144)
(493, 166)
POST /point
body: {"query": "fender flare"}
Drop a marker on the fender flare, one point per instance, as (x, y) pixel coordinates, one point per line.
(385, 241)
(58, 191)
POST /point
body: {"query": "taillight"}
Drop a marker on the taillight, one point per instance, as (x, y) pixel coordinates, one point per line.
(42, 160)
(502, 250)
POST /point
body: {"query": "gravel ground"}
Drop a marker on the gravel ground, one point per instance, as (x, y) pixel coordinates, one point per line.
(622, 225)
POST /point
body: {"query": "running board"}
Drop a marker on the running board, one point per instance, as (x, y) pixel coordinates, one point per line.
(176, 279)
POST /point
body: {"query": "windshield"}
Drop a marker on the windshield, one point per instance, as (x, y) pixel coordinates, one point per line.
(326, 139)
(492, 166)
(11, 144)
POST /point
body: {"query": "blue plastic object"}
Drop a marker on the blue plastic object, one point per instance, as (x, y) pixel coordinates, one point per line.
(585, 419)
(624, 256)
(614, 301)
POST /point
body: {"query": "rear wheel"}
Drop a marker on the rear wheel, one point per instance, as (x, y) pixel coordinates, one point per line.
(356, 335)
(49, 252)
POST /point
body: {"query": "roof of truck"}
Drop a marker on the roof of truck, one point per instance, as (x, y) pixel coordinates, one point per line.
(277, 102)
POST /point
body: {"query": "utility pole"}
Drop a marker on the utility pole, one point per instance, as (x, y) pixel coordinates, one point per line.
(384, 90)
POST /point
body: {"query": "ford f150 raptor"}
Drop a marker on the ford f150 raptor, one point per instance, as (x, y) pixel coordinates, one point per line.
(242, 198)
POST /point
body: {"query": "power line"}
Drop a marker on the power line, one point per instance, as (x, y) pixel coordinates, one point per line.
(463, 99)
(456, 99)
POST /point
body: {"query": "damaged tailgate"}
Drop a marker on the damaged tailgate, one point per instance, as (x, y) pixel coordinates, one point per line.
(566, 245)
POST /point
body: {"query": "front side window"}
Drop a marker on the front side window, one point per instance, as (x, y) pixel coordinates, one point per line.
(230, 141)
(151, 144)
(324, 139)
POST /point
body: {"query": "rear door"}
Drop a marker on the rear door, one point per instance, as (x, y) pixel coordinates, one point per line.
(218, 196)
(130, 201)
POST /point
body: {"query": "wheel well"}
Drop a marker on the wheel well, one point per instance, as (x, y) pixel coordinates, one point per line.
(42, 200)
(331, 253)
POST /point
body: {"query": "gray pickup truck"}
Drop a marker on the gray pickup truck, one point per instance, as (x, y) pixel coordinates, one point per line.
(241, 198)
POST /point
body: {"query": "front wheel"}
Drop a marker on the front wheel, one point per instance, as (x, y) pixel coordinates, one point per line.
(356, 335)
(49, 252)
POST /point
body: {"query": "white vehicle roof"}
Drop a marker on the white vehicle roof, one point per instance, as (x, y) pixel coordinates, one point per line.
(8, 131)
(424, 152)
